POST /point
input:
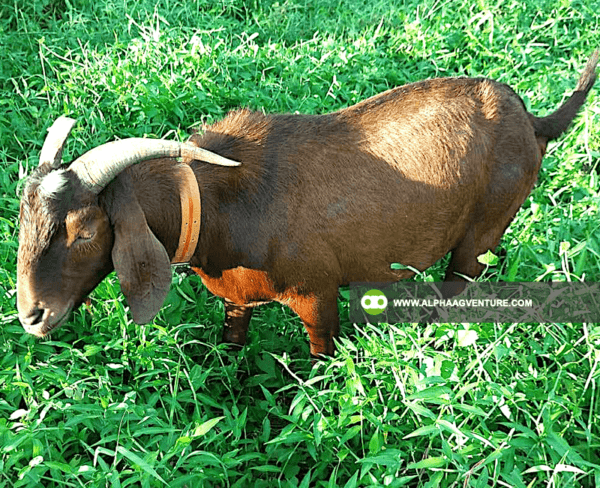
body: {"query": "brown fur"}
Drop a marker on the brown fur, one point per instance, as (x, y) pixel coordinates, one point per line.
(322, 201)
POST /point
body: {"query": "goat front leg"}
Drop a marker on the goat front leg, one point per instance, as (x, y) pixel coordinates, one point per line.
(237, 319)
(319, 314)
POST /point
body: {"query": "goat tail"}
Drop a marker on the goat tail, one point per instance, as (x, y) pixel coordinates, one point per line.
(555, 124)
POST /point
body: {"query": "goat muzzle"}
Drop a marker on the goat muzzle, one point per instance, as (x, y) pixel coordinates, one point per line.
(39, 320)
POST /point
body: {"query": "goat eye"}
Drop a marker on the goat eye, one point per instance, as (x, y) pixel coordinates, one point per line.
(85, 237)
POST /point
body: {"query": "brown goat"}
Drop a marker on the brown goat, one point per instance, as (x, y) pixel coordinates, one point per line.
(318, 202)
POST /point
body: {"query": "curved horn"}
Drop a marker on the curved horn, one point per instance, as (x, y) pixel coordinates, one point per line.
(99, 166)
(55, 141)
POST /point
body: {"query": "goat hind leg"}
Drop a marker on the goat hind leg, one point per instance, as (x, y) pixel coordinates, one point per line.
(464, 262)
(464, 259)
(482, 237)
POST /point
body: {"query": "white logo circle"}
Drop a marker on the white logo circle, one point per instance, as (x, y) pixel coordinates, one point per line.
(374, 302)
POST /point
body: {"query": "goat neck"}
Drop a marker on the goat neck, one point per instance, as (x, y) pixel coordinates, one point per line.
(159, 186)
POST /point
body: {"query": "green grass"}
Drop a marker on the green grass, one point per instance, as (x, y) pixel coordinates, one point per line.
(108, 403)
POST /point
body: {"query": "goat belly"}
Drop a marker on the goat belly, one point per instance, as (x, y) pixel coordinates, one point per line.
(242, 286)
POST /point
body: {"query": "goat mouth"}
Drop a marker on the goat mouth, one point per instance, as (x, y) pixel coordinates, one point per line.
(49, 323)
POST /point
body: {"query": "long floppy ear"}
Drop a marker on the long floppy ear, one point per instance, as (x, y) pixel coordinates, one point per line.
(141, 261)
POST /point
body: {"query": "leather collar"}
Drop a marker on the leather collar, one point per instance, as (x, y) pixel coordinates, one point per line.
(189, 194)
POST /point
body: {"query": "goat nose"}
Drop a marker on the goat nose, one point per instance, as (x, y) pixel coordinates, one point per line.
(33, 317)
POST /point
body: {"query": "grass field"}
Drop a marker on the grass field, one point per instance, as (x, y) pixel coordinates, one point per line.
(106, 402)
